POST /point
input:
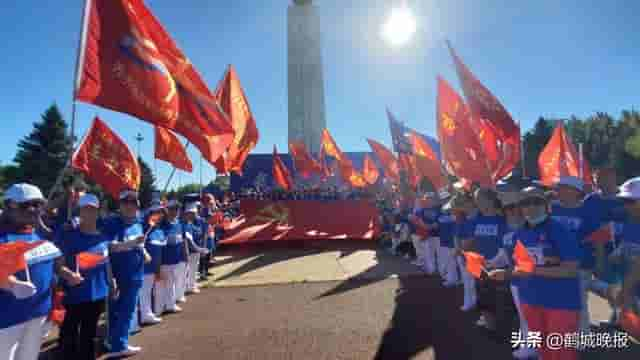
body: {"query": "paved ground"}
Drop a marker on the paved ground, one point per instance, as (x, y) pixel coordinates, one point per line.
(309, 315)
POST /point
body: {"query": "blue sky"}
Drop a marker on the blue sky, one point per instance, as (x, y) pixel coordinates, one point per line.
(553, 58)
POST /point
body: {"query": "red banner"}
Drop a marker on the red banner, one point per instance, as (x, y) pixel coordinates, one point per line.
(560, 158)
(264, 220)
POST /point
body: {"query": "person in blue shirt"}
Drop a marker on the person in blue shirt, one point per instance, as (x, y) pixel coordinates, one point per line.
(206, 214)
(154, 245)
(550, 295)
(173, 267)
(581, 221)
(425, 212)
(463, 242)
(448, 223)
(85, 282)
(127, 258)
(25, 297)
(195, 236)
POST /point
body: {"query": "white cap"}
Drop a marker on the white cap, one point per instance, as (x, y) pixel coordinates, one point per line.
(128, 193)
(571, 181)
(89, 200)
(22, 193)
(630, 189)
(191, 207)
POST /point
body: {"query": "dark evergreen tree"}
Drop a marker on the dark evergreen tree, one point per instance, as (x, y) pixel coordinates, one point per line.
(42, 154)
(147, 183)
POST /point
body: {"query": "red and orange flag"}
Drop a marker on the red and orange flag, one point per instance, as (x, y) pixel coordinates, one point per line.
(234, 102)
(88, 260)
(459, 144)
(523, 260)
(475, 263)
(426, 161)
(305, 164)
(12, 257)
(330, 147)
(281, 174)
(107, 160)
(370, 170)
(129, 63)
(168, 148)
(560, 158)
(387, 159)
(325, 171)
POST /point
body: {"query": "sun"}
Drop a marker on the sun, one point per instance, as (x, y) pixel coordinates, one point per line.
(400, 26)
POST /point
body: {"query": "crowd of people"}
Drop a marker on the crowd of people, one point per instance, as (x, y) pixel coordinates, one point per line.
(133, 267)
(555, 224)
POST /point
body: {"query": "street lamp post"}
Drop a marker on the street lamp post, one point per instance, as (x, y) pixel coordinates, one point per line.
(139, 139)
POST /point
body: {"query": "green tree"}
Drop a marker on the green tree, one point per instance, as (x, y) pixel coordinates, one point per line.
(147, 183)
(42, 154)
(184, 190)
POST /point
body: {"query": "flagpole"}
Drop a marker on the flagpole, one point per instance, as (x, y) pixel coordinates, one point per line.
(522, 155)
(201, 189)
(581, 160)
(166, 186)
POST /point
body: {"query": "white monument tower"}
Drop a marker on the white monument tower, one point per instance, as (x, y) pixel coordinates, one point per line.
(305, 81)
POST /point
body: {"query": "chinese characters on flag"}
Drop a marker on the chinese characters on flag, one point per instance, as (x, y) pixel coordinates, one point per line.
(107, 160)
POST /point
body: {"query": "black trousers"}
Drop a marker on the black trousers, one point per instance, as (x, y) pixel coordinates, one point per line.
(205, 264)
(495, 297)
(79, 329)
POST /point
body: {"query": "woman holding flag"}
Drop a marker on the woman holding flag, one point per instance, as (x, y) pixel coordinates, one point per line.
(84, 271)
(27, 275)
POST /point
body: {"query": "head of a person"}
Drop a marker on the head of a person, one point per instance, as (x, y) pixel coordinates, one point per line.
(156, 212)
(606, 180)
(630, 194)
(511, 208)
(487, 201)
(89, 206)
(173, 210)
(129, 203)
(190, 212)
(534, 205)
(24, 203)
(569, 190)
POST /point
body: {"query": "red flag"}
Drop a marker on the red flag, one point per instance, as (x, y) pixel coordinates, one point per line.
(281, 174)
(426, 160)
(523, 260)
(235, 104)
(604, 235)
(369, 170)
(474, 263)
(560, 158)
(458, 143)
(349, 173)
(330, 147)
(169, 149)
(630, 322)
(504, 152)
(388, 161)
(305, 164)
(89, 260)
(129, 63)
(408, 164)
(107, 160)
(325, 171)
(12, 257)
(58, 312)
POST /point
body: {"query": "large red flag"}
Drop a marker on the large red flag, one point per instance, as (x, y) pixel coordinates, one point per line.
(330, 147)
(504, 150)
(107, 160)
(305, 164)
(560, 158)
(129, 63)
(458, 142)
(388, 161)
(169, 149)
(347, 171)
(325, 171)
(408, 164)
(426, 161)
(233, 101)
(12, 257)
(369, 170)
(281, 174)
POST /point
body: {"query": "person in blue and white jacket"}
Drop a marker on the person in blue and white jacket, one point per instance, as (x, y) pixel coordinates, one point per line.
(25, 297)
(155, 243)
(195, 233)
(173, 266)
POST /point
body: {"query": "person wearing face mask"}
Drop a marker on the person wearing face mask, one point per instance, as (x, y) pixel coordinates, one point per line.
(195, 230)
(550, 295)
(424, 217)
(484, 235)
(173, 260)
(581, 221)
(448, 224)
(153, 278)
(462, 242)
(26, 296)
(511, 206)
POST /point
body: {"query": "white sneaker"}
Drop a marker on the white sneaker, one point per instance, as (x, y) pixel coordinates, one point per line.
(130, 351)
(175, 309)
(525, 353)
(151, 321)
(195, 291)
(182, 300)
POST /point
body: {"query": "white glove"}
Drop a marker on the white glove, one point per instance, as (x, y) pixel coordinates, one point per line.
(22, 289)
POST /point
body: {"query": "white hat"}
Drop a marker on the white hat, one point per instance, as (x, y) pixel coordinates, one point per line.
(22, 193)
(630, 189)
(89, 200)
(128, 193)
(571, 181)
(191, 207)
